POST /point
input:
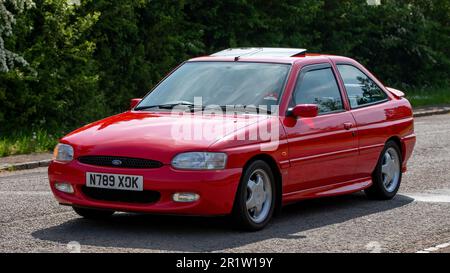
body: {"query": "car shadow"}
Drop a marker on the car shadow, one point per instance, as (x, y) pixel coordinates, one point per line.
(204, 234)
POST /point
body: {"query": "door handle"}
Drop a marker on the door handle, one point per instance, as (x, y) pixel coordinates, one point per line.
(348, 125)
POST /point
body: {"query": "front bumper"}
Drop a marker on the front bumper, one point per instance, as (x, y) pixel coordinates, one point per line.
(217, 188)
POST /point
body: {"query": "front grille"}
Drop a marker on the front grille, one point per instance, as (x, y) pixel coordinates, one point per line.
(142, 197)
(120, 162)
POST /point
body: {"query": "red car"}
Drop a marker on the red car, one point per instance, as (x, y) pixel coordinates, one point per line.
(273, 126)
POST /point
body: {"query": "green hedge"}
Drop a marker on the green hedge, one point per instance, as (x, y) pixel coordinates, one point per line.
(87, 61)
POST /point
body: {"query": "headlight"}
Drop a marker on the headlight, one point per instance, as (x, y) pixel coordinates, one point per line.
(63, 153)
(200, 161)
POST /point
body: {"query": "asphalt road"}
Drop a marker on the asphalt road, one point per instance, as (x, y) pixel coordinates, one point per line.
(417, 219)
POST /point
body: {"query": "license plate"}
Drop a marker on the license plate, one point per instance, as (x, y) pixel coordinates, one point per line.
(115, 181)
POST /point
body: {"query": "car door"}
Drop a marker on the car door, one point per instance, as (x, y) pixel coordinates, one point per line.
(322, 149)
(367, 102)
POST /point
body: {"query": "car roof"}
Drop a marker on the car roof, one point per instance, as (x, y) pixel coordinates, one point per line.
(265, 54)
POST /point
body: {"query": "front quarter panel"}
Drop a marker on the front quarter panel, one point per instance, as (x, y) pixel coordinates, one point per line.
(264, 137)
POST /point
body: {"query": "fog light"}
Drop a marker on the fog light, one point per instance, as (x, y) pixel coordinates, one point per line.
(64, 187)
(185, 197)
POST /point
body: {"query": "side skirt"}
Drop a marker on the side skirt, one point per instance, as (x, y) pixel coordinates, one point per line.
(328, 190)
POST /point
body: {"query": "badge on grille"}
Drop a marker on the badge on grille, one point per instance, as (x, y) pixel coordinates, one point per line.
(116, 162)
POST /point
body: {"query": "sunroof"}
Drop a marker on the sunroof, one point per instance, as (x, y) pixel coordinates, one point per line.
(260, 52)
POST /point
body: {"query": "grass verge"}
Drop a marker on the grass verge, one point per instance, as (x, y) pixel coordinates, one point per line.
(431, 96)
(27, 142)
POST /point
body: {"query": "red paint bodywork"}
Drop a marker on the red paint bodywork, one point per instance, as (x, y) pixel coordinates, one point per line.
(320, 156)
(305, 111)
(134, 102)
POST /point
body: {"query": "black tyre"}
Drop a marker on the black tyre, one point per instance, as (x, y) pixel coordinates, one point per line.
(93, 213)
(387, 175)
(256, 197)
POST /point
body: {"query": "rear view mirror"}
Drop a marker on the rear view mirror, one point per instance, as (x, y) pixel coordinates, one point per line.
(304, 111)
(134, 102)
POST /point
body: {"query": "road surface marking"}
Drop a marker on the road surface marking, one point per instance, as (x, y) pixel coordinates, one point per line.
(437, 196)
(434, 248)
(430, 198)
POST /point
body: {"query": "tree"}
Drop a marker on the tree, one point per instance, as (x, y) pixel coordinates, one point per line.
(7, 19)
(61, 90)
(138, 42)
(86, 59)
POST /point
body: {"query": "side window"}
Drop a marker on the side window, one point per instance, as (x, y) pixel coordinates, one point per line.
(361, 90)
(319, 87)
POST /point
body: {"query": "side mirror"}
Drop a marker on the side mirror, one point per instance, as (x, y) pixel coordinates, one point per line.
(134, 102)
(304, 111)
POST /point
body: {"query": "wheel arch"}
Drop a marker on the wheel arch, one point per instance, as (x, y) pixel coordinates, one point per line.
(276, 173)
(398, 141)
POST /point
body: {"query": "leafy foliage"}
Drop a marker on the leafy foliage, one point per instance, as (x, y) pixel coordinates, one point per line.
(60, 86)
(87, 60)
(7, 20)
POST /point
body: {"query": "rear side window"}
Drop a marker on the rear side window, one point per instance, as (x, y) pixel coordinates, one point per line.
(361, 90)
(319, 87)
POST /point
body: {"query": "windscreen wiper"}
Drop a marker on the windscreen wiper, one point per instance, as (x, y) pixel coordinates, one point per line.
(164, 106)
